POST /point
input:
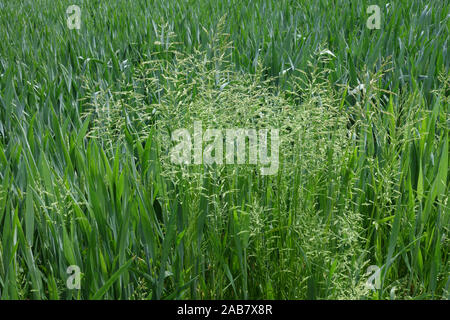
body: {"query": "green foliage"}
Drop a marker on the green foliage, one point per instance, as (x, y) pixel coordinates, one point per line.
(85, 123)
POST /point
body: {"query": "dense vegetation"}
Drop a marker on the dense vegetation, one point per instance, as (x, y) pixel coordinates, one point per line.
(85, 179)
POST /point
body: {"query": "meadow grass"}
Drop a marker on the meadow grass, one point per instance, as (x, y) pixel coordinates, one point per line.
(85, 123)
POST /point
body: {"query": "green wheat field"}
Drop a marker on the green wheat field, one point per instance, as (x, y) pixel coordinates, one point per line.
(359, 205)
